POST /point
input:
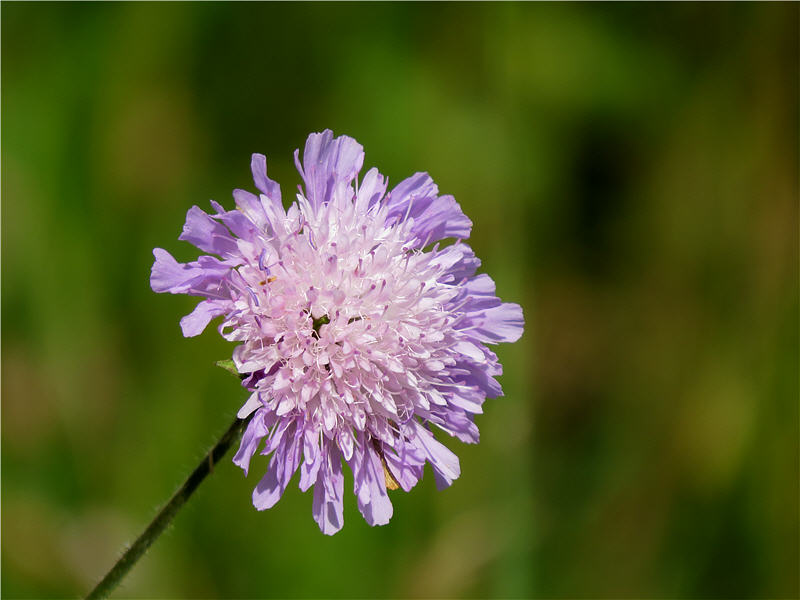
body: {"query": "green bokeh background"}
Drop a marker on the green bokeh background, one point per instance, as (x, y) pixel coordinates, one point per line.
(631, 171)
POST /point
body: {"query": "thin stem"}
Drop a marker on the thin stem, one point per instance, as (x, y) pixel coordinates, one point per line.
(166, 514)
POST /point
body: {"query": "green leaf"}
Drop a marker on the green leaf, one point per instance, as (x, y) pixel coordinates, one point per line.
(228, 365)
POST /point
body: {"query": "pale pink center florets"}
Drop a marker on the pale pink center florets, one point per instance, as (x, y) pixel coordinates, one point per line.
(346, 320)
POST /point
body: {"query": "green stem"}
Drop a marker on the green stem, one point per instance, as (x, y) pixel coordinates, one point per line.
(166, 514)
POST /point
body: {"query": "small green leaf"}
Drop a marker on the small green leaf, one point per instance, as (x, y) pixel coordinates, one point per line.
(228, 365)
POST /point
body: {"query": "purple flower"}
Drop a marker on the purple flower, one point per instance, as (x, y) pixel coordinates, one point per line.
(353, 339)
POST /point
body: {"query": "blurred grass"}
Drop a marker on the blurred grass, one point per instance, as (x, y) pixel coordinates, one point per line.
(632, 175)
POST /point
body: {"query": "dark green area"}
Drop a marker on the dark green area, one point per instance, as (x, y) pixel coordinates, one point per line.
(632, 175)
(318, 322)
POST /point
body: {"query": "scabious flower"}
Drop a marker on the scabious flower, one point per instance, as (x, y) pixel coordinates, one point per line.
(354, 340)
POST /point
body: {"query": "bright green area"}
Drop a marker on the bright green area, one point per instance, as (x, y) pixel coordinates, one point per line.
(631, 171)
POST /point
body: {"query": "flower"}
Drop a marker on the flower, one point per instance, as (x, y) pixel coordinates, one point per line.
(355, 340)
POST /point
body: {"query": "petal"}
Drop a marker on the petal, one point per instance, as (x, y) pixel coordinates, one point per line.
(328, 506)
(207, 234)
(480, 290)
(328, 163)
(167, 274)
(378, 510)
(194, 278)
(457, 261)
(251, 207)
(488, 319)
(265, 215)
(406, 464)
(268, 187)
(435, 217)
(255, 432)
(481, 376)
(282, 466)
(470, 350)
(371, 190)
(236, 221)
(253, 403)
(455, 422)
(269, 490)
(445, 464)
(443, 219)
(312, 459)
(196, 321)
(277, 437)
(469, 403)
(499, 324)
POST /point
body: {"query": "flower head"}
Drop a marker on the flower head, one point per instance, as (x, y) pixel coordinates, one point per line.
(354, 339)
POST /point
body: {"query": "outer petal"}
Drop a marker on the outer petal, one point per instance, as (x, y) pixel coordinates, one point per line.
(379, 510)
(498, 324)
(369, 483)
(328, 163)
(237, 222)
(328, 504)
(488, 319)
(455, 422)
(480, 290)
(255, 432)
(445, 464)
(481, 376)
(284, 463)
(253, 403)
(459, 262)
(207, 234)
(435, 217)
(251, 207)
(312, 459)
(265, 185)
(168, 275)
(405, 462)
(196, 321)
(371, 191)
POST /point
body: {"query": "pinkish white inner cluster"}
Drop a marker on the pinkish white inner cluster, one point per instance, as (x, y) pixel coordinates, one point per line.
(349, 322)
